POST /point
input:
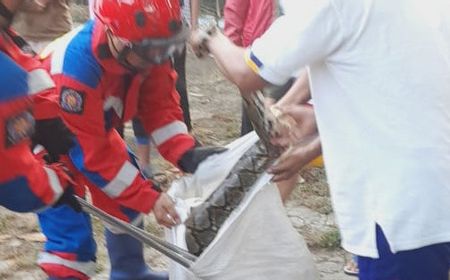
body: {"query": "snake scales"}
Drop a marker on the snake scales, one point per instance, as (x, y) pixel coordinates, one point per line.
(206, 219)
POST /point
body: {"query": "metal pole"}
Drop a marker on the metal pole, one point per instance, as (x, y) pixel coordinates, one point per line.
(175, 253)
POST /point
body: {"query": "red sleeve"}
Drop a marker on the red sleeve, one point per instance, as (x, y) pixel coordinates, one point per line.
(26, 184)
(235, 16)
(46, 105)
(160, 112)
(44, 95)
(101, 154)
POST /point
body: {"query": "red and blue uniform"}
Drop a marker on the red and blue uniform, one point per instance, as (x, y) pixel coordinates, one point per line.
(26, 183)
(96, 94)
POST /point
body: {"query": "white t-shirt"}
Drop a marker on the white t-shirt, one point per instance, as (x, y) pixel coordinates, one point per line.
(380, 80)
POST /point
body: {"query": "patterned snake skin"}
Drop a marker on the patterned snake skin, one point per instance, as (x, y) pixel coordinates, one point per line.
(206, 219)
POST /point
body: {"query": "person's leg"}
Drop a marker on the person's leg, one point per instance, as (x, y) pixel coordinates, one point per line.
(180, 67)
(383, 268)
(286, 187)
(430, 262)
(351, 267)
(126, 254)
(69, 252)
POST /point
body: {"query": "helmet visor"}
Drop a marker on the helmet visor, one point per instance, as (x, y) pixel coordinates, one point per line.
(158, 51)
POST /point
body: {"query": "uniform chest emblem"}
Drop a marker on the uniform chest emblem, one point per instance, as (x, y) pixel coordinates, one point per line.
(18, 128)
(72, 101)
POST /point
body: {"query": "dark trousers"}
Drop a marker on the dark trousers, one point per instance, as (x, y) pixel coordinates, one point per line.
(426, 263)
(179, 63)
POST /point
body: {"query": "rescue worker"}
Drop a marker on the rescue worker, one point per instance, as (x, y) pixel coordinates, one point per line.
(108, 71)
(26, 183)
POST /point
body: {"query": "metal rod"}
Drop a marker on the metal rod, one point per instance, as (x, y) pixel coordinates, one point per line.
(176, 253)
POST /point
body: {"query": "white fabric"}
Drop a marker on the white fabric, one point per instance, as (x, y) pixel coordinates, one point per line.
(256, 242)
(59, 47)
(380, 80)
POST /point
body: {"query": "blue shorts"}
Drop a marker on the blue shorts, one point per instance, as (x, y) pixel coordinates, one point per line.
(426, 263)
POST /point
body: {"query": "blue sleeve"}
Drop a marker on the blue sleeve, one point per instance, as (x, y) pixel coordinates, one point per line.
(13, 79)
(16, 195)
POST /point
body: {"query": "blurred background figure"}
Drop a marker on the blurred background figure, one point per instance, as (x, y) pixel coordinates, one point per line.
(42, 21)
(245, 21)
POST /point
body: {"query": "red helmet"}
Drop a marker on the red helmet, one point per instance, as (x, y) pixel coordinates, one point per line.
(149, 26)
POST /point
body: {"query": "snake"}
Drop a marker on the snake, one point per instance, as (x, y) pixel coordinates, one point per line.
(206, 219)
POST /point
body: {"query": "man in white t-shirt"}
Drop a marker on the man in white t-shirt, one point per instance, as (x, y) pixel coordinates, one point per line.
(380, 80)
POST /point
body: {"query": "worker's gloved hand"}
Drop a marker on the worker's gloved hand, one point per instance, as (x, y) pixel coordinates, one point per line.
(68, 198)
(69, 185)
(193, 157)
(54, 136)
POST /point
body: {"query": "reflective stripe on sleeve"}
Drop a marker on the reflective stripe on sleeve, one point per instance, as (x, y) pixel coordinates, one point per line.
(164, 133)
(54, 183)
(122, 181)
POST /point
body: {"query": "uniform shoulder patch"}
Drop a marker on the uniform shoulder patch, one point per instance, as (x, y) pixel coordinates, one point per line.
(72, 101)
(18, 128)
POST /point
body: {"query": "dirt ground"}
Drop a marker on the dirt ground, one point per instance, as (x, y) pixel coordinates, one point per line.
(215, 109)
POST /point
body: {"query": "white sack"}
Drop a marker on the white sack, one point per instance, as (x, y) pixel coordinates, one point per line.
(256, 242)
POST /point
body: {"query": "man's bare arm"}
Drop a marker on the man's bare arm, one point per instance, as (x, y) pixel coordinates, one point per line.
(231, 61)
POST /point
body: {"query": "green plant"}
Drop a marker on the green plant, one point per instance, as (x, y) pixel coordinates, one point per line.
(330, 239)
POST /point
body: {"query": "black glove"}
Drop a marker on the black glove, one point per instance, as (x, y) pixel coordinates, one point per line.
(68, 198)
(54, 136)
(193, 157)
